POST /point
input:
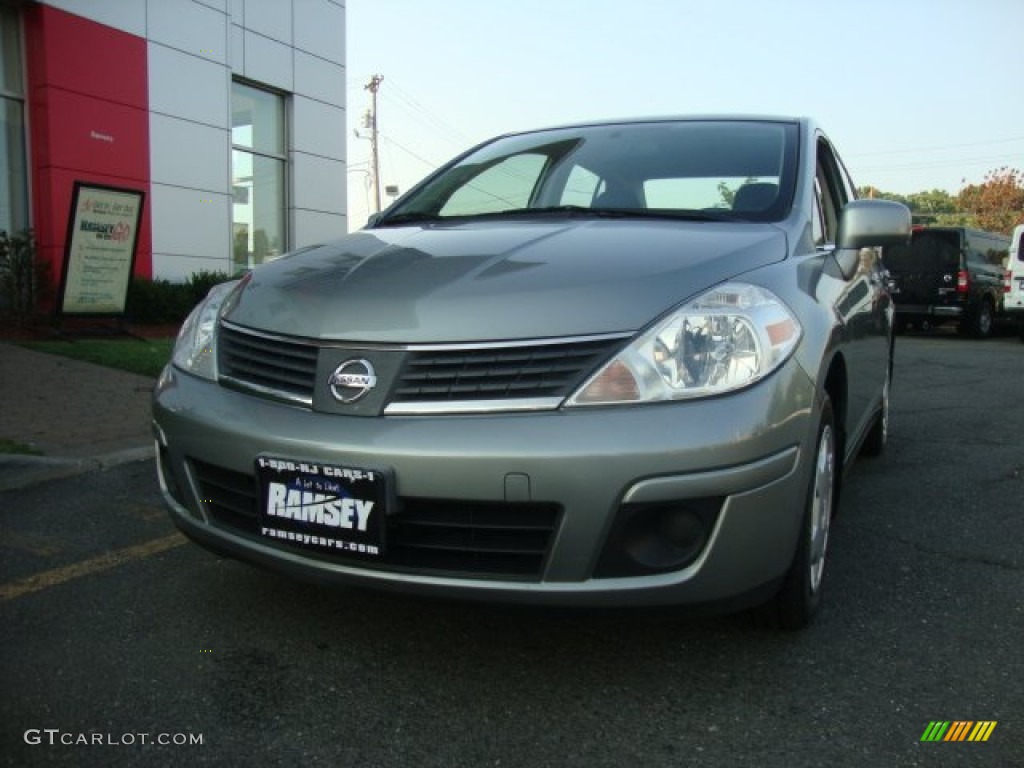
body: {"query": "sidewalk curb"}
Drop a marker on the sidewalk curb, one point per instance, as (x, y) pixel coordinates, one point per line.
(18, 471)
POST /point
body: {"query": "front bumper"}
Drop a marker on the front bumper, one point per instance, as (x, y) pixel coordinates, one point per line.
(742, 450)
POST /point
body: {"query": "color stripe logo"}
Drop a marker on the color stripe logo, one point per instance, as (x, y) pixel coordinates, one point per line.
(958, 730)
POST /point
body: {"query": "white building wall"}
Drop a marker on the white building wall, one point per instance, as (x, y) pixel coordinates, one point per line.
(128, 17)
(189, 137)
(195, 48)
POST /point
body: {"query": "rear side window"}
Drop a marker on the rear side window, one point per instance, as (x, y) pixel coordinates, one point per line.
(996, 252)
(927, 252)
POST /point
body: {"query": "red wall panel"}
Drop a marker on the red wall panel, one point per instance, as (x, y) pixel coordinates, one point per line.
(83, 56)
(98, 137)
(88, 120)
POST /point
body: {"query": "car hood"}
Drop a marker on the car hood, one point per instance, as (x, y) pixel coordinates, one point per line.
(498, 280)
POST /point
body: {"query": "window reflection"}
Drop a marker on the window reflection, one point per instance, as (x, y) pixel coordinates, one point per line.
(258, 160)
(13, 171)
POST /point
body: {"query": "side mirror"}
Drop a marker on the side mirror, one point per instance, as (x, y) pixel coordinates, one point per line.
(867, 223)
(374, 218)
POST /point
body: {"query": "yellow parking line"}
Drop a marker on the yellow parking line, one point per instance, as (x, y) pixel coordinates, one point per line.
(52, 578)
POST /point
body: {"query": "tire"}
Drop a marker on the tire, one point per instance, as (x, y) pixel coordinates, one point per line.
(800, 595)
(979, 324)
(878, 435)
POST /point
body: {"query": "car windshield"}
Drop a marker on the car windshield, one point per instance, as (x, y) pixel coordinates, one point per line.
(698, 169)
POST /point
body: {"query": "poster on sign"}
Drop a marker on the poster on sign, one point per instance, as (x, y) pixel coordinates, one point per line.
(99, 255)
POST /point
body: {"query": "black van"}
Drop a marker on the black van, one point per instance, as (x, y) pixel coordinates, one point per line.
(948, 273)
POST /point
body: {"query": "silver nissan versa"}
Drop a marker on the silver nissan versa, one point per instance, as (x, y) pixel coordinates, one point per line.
(623, 363)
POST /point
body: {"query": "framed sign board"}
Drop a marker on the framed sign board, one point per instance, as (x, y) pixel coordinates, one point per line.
(103, 237)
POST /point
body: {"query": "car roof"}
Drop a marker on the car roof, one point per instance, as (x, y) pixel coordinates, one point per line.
(711, 117)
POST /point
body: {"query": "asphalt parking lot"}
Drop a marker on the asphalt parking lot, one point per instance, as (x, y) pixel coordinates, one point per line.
(119, 636)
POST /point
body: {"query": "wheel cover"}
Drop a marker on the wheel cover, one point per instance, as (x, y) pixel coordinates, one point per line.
(821, 505)
(985, 318)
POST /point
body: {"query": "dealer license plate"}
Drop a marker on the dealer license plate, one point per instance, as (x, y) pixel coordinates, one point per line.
(326, 507)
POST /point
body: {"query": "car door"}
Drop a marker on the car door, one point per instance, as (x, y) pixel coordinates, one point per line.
(863, 306)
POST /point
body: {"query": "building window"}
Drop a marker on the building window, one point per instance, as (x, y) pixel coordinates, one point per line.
(258, 173)
(13, 171)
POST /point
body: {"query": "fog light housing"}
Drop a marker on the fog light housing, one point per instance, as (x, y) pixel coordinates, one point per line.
(658, 538)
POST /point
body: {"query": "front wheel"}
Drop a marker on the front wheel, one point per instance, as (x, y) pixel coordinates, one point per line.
(800, 595)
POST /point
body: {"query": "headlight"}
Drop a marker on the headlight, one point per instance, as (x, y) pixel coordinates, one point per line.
(726, 339)
(195, 351)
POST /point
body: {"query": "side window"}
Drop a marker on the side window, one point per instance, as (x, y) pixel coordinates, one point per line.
(818, 217)
(997, 252)
(825, 189)
(849, 191)
(505, 186)
(832, 189)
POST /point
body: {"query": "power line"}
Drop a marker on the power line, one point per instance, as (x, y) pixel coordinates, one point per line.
(937, 148)
(951, 163)
(430, 163)
(425, 121)
(443, 124)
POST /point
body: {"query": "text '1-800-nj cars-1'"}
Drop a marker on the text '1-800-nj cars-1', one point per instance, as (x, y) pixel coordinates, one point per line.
(622, 363)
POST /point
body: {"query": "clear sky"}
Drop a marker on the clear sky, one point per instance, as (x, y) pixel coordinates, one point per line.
(915, 94)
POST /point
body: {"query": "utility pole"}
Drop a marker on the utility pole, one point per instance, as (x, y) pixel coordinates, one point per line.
(371, 123)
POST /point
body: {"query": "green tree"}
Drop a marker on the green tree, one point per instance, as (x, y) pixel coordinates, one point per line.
(932, 207)
(933, 203)
(877, 194)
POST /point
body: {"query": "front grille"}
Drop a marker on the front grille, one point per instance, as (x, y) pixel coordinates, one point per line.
(228, 497)
(431, 536)
(436, 379)
(268, 364)
(495, 539)
(499, 373)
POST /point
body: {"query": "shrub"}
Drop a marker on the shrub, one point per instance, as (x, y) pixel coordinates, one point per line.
(24, 280)
(161, 302)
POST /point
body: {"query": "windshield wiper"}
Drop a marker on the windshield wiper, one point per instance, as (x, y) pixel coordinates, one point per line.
(680, 214)
(571, 210)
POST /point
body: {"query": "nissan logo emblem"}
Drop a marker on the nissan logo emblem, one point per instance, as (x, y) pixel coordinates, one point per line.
(352, 380)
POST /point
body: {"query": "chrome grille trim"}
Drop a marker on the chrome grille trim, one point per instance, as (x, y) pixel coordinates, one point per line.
(454, 346)
(473, 406)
